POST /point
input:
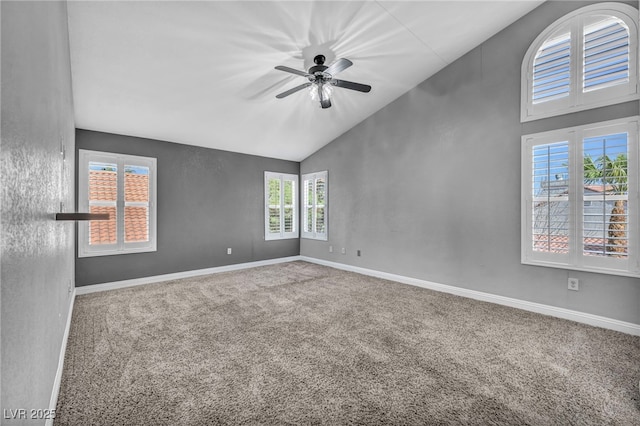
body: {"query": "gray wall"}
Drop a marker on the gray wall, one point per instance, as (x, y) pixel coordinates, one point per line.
(429, 187)
(208, 200)
(37, 252)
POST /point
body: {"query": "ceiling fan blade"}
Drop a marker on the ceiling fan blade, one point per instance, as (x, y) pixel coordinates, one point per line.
(339, 65)
(351, 85)
(294, 90)
(292, 71)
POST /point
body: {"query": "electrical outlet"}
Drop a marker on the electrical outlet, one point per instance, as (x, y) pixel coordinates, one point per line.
(344, 250)
(574, 284)
(358, 252)
(330, 249)
(229, 250)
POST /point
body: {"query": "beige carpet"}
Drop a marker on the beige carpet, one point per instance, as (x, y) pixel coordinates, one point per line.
(299, 343)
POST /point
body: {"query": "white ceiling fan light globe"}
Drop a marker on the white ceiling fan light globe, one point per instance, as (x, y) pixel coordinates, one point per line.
(326, 91)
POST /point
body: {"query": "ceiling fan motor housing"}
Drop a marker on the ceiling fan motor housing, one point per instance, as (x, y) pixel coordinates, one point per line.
(319, 66)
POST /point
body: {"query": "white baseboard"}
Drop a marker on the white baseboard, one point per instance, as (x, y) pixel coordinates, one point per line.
(582, 317)
(53, 402)
(178, 275)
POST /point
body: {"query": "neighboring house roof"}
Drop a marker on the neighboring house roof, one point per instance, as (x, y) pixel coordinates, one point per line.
(103, 187)
(551, 218)
(599, 188)
(560, 244)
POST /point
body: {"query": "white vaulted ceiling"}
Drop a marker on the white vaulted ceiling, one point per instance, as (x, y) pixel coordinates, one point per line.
(202, 73)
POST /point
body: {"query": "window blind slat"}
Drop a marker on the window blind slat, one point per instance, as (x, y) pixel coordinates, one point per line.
(545, 63)
(561, 81)
(595, 31)
(607, 81)
(561, 69)
(616, 37)
(606, 69)
(613, 54)
(551, 94)
(554, 46)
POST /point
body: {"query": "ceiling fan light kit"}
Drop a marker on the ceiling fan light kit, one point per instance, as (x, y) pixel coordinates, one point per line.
(321, 81)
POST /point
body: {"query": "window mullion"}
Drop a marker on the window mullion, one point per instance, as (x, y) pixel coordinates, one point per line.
(633, 197)
(576, 203)
(282, 206)
(577, 61)
(120, 205)
(314, 206)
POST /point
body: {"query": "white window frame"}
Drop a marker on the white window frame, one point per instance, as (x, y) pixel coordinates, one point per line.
(575, 259)
(281, 235)
(578, 100)
(313, 178)
(120, 247)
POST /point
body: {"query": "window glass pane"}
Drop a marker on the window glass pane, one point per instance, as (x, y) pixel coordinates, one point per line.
(604, 213)
(103, 181)
(308, 192)
(102, 231)
(320, 191)
(551, 69)
(136, 224)
(136, 184)
(308, 223)
(274, 219)
(550, 190)
(288, 219)
(274, 192)
(288, 192)
(320, 220)
(606, 53)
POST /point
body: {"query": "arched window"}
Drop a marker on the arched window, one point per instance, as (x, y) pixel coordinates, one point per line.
(587, 59)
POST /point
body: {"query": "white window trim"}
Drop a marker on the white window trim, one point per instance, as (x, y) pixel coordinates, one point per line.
(577, 100)
(575, 260)
(282, 235)
(314, 234)
(84, 249)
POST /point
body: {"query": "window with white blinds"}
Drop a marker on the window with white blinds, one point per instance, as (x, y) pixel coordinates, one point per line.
(281, 206)
(314, 220)
(606, 54)
(587, 59)
(550, 197)
(580, 206)
(605, 219)
(124, 187)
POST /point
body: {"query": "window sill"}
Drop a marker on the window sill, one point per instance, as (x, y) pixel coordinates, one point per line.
(577, 108)
(116, 252)
(617, 272)
(311, 237)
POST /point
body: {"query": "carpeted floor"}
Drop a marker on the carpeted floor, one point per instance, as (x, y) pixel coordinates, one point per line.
(299, 343)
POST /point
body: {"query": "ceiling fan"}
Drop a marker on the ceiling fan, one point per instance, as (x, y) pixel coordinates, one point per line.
(321, 80)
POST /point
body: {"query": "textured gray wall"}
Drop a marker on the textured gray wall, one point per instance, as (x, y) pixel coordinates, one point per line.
(208, 200)
(429, 187)
(37, 252)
